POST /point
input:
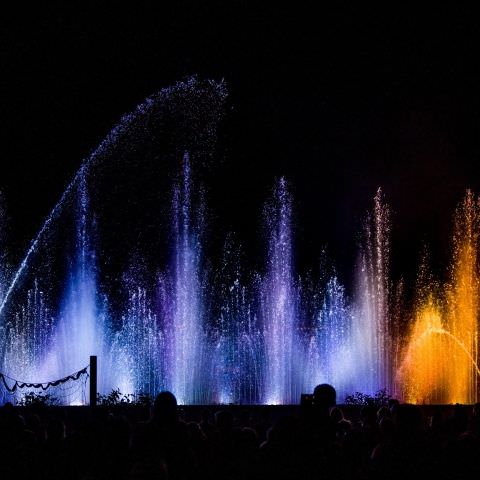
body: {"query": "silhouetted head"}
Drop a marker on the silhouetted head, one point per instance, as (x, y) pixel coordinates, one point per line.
(165, 406)
(368, 415)
(383, 412)
(336, 414)
(324, 396)
(224, 420)
(387, 427)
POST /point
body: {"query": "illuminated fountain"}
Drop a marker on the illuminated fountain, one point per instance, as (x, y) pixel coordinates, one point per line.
(371, 341)
(441, 358)
(80, 329)
(44, 334)
(230, 331)
(327, 340)
(185, 326)
(278, 304)
(237, 341)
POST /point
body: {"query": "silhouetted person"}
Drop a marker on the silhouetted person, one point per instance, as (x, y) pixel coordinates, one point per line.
(164, 436)
(223, 445)
(165, 408)
(324, 426)
(403, 451)
(206, 424)
(318, 452)
(324, 397)
(336, 414)
(393, 404)
(281, 453)
(54, 456)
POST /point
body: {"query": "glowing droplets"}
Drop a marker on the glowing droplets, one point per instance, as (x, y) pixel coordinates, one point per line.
(227, 334)
(441, 359)
(268, 339)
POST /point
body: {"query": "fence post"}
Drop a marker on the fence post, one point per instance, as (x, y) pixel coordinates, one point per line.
(93, 381)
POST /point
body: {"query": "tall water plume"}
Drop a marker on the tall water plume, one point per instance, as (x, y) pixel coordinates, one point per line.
(371, 335)
(279, 304)
(441, 359)
(27, 336)
(184, 328)
(463, 298)
(228, 334)
(80, 330)
(138, 347)
(237, 341)
(328, 353)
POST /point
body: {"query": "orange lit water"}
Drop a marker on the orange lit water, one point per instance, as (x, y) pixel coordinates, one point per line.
(441, 354)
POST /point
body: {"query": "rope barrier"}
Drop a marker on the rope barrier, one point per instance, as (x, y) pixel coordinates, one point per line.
(44, 386)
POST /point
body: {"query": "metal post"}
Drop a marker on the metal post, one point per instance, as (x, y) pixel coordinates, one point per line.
(93, 380)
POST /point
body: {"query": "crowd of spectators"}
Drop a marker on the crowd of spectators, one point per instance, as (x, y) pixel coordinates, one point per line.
(317, 442)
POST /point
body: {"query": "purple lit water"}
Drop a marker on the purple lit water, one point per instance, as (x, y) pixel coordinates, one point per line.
(228, 333)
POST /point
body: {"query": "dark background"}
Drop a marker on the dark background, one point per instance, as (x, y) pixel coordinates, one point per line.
(340, 101)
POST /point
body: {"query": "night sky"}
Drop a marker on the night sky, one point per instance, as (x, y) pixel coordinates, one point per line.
(340, 101)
